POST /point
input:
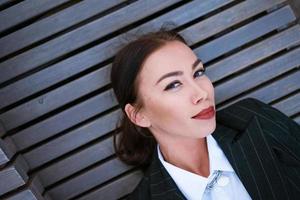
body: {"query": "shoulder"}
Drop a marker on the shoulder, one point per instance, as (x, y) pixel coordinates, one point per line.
(244, 110)
(249, 107)
(142, 190)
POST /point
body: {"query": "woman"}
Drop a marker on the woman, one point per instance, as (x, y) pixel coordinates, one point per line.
(247, 151)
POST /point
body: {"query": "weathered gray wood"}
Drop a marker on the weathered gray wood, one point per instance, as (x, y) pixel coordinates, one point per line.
(3, 2)
(64, 120)
(99, 53)
(268, 93)
(75, 186)
(25, 10)
(226, 19)
(4, 157)
(10, 179)
(50, 25)
(79, 37)
(254, 53)
(116, 189)
(13, 176)
(26, 195)
(32, 191)
(289, 106)
(258, 75)
(72, 140)
(56, 98)
(296, 7)
(285, 85)
(7, 151)
(245, 34)
(76, 162)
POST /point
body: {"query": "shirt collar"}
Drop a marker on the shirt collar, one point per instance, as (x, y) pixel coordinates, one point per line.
(193, 185)
(217, 158)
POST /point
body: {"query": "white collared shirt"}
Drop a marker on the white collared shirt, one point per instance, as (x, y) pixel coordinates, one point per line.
(222, 182)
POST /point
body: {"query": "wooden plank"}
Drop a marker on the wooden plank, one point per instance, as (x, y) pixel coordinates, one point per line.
(52, 24)
(4, 157)
(254, 53)
(75, 89)
(91, 178)
(257, 76)
(26, 195)
(26, 10)
(3, 2)
(64, 120)
(10, 179)
(71, 140)
(55, 98)
(13, 176)
(82, 61)
(245, 34)
(80, 37)
(76, 162)
(268, 93)
(290, 106)
(32, 191)
(7, 151)
(116, 189)
(296, 7)
(226, 19)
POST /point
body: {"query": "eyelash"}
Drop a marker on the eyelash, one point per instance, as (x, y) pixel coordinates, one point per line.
(172, 85)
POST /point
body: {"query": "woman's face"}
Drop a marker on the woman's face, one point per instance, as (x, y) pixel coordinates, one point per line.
(173, 89)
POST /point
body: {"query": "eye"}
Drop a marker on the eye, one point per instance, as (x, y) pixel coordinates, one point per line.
(199, 73)
(173, 85)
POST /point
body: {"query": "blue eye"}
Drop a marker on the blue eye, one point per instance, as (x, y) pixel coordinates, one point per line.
(199, 73)
(173, 85)
(177, 83)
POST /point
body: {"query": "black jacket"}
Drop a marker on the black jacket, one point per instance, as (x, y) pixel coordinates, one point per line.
(262, 145)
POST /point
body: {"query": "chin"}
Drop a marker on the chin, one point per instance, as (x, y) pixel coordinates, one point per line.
(211, 128)
(206, 132)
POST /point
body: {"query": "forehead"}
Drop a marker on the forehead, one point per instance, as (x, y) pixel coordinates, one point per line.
(173, 56)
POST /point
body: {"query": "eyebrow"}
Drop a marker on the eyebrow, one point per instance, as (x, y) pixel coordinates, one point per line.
(177, 73)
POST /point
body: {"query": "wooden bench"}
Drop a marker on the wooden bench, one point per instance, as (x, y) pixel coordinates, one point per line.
(57, 108)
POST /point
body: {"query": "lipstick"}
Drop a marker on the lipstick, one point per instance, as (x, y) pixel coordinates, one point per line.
(205, 113)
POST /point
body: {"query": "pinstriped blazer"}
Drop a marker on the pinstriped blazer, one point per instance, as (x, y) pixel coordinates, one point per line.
(262, 145)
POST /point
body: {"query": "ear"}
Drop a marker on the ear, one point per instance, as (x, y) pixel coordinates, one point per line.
(137, 118)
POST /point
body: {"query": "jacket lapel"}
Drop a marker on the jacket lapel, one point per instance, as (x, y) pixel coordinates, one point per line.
(247, 147)
(162, 186)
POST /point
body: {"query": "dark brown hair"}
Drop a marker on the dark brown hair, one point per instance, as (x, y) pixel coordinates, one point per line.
(135, 144)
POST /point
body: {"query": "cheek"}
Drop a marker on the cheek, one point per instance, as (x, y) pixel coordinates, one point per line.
(162, 108)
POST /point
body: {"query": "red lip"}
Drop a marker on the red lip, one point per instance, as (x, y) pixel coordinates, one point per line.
(205, 113)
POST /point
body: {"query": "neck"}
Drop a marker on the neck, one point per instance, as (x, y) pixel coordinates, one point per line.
(188, 154)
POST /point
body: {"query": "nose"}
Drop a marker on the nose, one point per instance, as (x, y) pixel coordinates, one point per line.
(198, 94)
